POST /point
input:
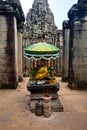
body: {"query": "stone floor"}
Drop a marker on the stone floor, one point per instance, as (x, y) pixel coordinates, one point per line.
(15, 113)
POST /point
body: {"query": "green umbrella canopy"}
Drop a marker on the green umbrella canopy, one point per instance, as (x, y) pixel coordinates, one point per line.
(41, 50)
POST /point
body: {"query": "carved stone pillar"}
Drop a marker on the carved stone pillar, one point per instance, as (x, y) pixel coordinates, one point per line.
(78, 45)
(10, 15)
(59, 60)
(8, 52)
(66, 32)
(20, 64)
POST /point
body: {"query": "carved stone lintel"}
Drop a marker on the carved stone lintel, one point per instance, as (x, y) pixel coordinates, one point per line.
(11, 7)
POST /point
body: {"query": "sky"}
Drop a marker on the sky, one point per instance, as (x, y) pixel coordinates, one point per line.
(59, 9)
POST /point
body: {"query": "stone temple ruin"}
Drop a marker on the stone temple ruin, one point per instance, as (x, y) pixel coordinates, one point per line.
(40, 21)
(40, 25)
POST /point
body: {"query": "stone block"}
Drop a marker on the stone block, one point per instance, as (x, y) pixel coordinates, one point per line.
(3, 44)
(2, 19)
(3, 27)
(56, 105)
(3, 35)
(45, 88)
(38, 96)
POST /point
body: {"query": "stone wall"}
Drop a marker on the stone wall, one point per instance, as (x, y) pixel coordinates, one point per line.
(78, 45)
(11, 22)
(8, 52)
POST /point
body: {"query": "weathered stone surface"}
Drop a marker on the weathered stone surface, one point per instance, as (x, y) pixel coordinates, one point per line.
(8, 68)
(20, 65)
(11, 20)
(2, 20)
(39, 96)
(40, 21)
(78, 45)
(66, 33)
(3, 34)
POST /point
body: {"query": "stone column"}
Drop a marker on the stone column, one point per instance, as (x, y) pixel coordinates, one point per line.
(20, 66)
(11, 15)
(59, 60)
(8, 52)
(78, 45)
(66, 33)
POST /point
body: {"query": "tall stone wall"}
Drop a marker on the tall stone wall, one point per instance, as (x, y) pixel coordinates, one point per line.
(8, 52)
(11, 20)
(78, 45)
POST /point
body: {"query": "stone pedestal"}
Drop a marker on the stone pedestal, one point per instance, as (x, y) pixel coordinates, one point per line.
(45, 88)
(38, 91)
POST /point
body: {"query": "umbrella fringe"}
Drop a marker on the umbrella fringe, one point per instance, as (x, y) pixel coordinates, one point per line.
(38, 58)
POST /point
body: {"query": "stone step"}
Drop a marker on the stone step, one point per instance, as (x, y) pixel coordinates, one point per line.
(56, 105)
(38, 96)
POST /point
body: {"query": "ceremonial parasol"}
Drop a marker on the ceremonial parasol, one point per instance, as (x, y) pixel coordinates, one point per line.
(41, 50)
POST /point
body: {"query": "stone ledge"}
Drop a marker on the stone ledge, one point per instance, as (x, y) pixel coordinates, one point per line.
(46, 88)
(38, 96)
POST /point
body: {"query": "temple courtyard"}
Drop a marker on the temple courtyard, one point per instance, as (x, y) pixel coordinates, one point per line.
(15, 111)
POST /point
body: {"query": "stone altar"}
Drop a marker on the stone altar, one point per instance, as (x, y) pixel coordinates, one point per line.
(38, 91)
